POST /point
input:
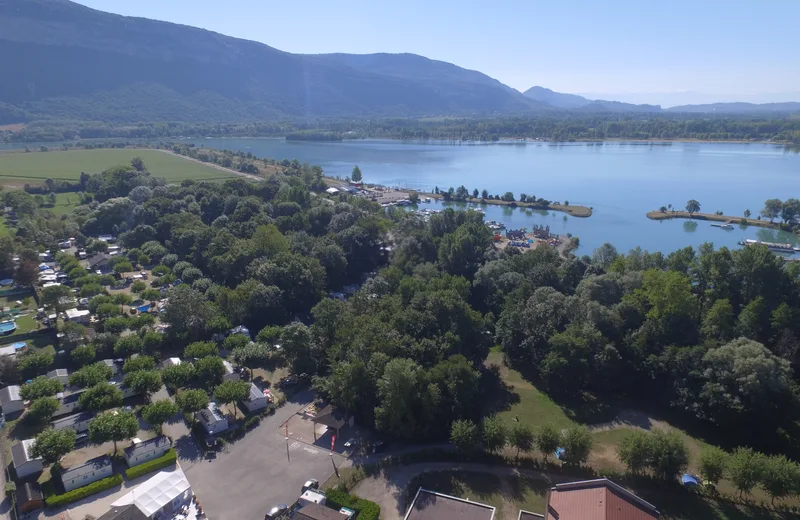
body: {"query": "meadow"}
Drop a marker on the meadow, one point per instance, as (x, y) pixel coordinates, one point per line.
(19, 168)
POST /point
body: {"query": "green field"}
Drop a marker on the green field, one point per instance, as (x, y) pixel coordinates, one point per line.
(65, 203)
(17, 168)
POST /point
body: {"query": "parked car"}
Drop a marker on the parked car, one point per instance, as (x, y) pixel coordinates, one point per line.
(81, 439)
(351, 442)
(310, 484)
(276, 511)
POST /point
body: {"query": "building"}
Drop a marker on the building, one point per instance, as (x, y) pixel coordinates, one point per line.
(142, 451)
(319, 512)
(212, 419)
(230, 373)
(115, 366)
(23, 461)
(60, 374)
(29, 497)
(127, 392)
(160, 497)
(8, 351)
(78, 422)
(68, 402)
(332, 418)
(126, 512)
(430, 505)
(311, 496)
(10, 400)
(527, 515)
(98, 262)
(90, 471)
(171, 362)
(257, 400)
(78, 316)
(598, 499)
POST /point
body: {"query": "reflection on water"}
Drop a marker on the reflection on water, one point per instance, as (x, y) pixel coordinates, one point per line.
(690, 226)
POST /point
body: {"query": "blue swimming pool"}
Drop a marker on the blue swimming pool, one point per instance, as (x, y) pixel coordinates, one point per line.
(7, 326)
(19, 345)
(143, 308)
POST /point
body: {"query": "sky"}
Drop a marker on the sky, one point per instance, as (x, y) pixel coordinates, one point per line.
(640, 51)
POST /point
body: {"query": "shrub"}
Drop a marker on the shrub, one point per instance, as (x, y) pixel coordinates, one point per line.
(152, 465)
(83, 492)
(251, 421)
(366, 510)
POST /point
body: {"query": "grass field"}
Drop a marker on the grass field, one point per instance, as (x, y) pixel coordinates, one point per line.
(65, 203)
(18, 168)
(3, 228)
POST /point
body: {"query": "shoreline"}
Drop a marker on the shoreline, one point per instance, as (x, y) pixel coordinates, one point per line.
(574, 210)
(658, 215)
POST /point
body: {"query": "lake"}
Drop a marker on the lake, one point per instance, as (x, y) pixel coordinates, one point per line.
(620, 181)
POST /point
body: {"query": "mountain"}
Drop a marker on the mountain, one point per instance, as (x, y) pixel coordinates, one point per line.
(575, 102)
(556, 99)
(738, 108)
(73, 62)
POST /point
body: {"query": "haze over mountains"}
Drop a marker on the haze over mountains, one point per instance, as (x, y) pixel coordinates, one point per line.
(65, 61)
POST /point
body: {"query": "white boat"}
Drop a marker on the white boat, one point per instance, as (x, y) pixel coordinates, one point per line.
(780, 248)
(726, 226)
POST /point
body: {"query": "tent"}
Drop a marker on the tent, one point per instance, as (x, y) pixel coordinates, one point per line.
(689, 480)
(560, 453)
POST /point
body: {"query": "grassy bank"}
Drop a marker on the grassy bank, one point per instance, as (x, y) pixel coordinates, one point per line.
(660, 215)
(18, 168)
(575, 211)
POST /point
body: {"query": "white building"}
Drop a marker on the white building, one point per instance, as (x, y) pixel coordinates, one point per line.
(212, 419)
(230, 373)
(142, 451)
(10, 400)
(90, 471)
(68, 402)
(78, 316)
(24, 463)
(160, 497)
(256, 400)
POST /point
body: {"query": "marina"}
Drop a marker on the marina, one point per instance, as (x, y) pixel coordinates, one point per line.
(778, 248)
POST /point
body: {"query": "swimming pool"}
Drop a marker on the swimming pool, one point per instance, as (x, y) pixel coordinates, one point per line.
(143, 308)
(7, 327)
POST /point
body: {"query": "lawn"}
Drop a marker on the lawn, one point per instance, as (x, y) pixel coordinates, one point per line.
(508, 494)
(4, 231)
(33, 168)
(65, 203)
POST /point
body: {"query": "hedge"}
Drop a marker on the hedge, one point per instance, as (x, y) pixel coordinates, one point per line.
(337, 498)
(151, 465)
(83, 492)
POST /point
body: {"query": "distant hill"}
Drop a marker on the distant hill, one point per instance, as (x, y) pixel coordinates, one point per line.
(575, 102)
(73, 62)
(738, 108)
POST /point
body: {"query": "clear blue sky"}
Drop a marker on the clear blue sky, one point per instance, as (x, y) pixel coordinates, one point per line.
(666, 52)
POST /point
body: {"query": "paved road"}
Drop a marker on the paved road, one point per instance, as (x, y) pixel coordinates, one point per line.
(253, 474)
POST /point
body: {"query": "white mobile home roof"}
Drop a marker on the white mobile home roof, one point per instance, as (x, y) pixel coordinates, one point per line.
(152, 495)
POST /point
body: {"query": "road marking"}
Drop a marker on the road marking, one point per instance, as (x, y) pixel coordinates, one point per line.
(311, 450)
(294, 446)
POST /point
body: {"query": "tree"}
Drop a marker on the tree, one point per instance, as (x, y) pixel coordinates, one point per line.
(692, 206)
(42, 386)
(91, 375)
(772, 209)
(57, 297)
(200, 349)
(669, 457)
(35, 363)
(781, 477)
(83, 355)
(548, 440)
(128, 345)
(635, 450)
(753, 320)
(229, 392)
(159, 412)
(521, 436)
(299, 349)
(494, 434)
(577, 444)
(123, 267)
(188, 311)
(42, 409)
(209, 371)
(746, 469)
(116, 427)
(485, 194)
(177, 376)
(719, 322)
(235, 341)
(143, 382)
(138, 363)
(713, 464)
(465, 436)
(26, 274)
(475, 193)
(413, 197)
(100, 397)
(747, 213)
(192, 401)
(356, 174)
(508, 196)
(138, 164)
(251, 355)
(605, 255)
(790, 210)
(52, 444)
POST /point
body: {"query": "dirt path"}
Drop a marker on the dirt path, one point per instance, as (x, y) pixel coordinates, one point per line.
(388, 487)
(212, 165)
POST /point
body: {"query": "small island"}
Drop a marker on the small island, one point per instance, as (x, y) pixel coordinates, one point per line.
(508, 200)
(788, 211)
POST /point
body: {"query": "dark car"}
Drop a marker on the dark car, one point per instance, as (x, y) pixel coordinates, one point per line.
(81, 439)
(276, 511)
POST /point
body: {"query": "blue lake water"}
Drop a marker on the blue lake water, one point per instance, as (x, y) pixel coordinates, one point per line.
(620, 181)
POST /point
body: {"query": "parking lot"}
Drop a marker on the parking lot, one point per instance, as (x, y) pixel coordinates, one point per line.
(249, 476)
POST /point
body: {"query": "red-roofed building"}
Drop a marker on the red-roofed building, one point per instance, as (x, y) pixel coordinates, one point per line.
(598, 499)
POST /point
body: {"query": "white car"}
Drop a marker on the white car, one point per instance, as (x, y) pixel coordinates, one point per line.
(350, 442)
(310, 484)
